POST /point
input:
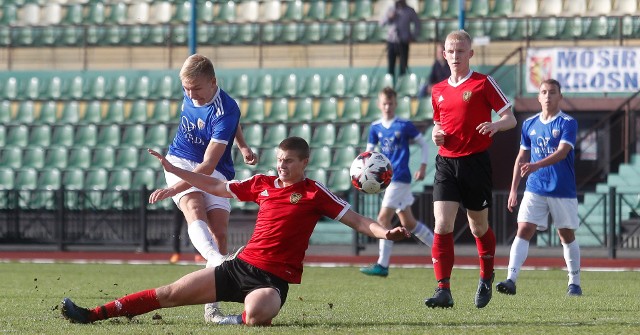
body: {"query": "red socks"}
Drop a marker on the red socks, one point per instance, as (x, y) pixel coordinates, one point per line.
(443, 255)
(486, 251)
(129, 306)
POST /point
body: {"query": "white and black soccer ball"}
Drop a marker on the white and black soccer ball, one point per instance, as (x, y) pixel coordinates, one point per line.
(371, 172)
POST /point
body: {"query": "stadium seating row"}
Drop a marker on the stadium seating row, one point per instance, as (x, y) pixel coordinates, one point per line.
(339, 32)
(241, 84)
(163, 12)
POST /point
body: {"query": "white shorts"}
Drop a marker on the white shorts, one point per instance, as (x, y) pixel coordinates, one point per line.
(397, 196)
(211, 201)
(536, 208)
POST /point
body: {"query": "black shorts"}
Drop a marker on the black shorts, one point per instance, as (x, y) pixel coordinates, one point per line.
(236, 278)
(464, 179)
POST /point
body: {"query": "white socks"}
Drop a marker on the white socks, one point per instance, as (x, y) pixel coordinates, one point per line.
(517, 256)
(572, 258)
(203, 241)
(424, 234)
(384, 249)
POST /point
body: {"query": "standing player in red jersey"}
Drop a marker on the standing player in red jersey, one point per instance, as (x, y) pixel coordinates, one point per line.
(260, 274)
(463, 130)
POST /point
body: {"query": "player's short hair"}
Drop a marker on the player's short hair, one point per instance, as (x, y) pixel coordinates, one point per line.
(460, 35)
(195, 66)
(389, 92)
(552, 82)
(297, 144)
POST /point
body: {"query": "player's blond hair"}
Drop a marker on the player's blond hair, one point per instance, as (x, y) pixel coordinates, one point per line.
(196, 66)
(459, 35)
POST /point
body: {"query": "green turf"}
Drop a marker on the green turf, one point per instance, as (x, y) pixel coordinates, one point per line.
(330, 301)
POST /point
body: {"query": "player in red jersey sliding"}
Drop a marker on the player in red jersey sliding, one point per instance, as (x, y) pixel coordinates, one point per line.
(463, 132)
(260, 274)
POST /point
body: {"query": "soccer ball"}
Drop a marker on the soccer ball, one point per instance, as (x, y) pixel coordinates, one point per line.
(371, 172)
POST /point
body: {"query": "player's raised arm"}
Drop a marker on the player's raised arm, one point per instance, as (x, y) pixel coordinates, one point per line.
(206, 183)
(372, 228)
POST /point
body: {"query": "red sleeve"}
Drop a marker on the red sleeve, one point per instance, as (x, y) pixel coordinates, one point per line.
(497, 99)
(331, 205)
(244, 190)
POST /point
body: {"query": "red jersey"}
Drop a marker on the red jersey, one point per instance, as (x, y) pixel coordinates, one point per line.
(286, 219)
(460, 108)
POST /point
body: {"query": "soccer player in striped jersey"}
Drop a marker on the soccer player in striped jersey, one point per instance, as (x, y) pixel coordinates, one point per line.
(393, 135)
(259, 275)
(463, 131)
(546, 159)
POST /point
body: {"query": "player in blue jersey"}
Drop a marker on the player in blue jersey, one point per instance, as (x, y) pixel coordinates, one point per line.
(546, 158)
(393, 136)
(209, 122)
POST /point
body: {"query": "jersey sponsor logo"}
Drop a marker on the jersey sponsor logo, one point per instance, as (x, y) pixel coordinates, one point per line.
(295, 197)
(200, 124)
(466, 96)
(555, 133)
(264, 193)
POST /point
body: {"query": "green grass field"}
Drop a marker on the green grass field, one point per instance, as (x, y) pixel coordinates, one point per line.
(330, 301)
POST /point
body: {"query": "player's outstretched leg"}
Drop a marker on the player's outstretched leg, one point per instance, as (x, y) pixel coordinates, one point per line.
(441, 298)
(74, 313)
(484, 292)
(506, 287)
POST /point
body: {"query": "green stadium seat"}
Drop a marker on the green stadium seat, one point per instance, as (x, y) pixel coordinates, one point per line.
(452, 10)
(157, 136)
(476, 28)
(273, 135)
(320, 157)
(26, 182)
(74, 14)
(445, 27)
(268, 160)
(241, 86)
(33, 157)
(362, 10)
(25, 36)
(179, 35)
(336, 86)
(303, 111)
(351, 109)
(316, 10)
(279, 111)
(98, 88)
(92, 112)
(86, 135)
(103, 157)
(431, 9)
(601, 27)
(97, 13)
(26, 112)
(56, 157)
(403, 110)
(479, 8)
(70, 112)
(343, 157)
(143, 178)
(34, 89)
(7, 182)
(328, 110)
(76, 89)
(118, 12)
(253, 134)
(348, 135)
(205, 11)
(312, 86)
(6, 116)
(339, 181)
(360, 32)
(294, 11)
(62, 135)
(246, 33)
(5, 36)
(429, 32)
(379, 82)
(294, 33)
(10, 89)
(269, 32)
(95, 182)
(339, 10)
(133, 135)
(48, 113)
(120, 89)
(11, 157)
(182, 14)
(158, 35)
(287, 86)
(161, 111)
(226, 11)
(301, 130)
(73, 179)
(9, 14)
(138, 113)
(142, 87)
(319, 175)
(502, 8)
(263, 87)
(573, 29)
(49, 180)
(136, 35)
(500, 29)
(115, 112)
(361, 86)
(145, 160)
(548, 28)
(255, 111)
(372, 111)
(40, 135)
(408, 85)
(72, 36)
(424, 111)
(126, 157)
(168, 88)
(324, 134)
(108, 135)
(49, 36)
(18, 136)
